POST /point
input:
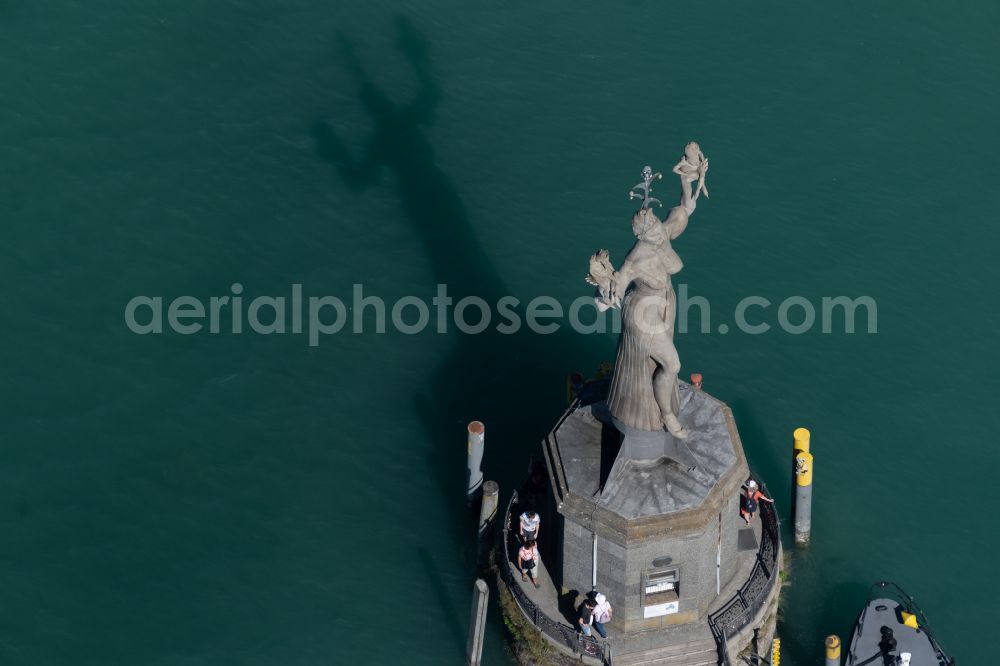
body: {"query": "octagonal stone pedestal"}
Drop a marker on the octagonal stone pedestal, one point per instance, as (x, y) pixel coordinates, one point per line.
(663, 541)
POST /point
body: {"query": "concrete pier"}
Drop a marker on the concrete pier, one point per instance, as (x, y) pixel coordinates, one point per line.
(665, 543)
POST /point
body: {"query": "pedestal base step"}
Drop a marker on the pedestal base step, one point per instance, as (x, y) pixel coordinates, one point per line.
(697, 653)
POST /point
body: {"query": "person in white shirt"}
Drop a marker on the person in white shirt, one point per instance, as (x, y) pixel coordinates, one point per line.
(602, 614)
(530, 524)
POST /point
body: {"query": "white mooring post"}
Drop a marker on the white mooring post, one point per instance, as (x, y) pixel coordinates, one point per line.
(487, 518)
(474, 475)
(480, 600)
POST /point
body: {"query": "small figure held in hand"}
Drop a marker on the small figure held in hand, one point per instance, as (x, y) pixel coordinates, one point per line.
(693, 166)
(601, 275)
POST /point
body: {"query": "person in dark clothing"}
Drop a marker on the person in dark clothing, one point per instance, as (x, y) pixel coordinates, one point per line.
(750, 499)
(586, 616)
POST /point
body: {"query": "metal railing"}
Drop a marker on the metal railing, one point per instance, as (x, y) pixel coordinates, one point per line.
(559, 632)
(751, 597)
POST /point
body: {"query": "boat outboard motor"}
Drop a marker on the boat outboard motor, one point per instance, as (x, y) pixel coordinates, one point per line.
(887, 646)
(904, 658)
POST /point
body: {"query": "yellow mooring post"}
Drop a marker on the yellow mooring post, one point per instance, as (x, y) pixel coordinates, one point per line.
(803, 486)
(776, 652)
(801, 437)
(832, 651)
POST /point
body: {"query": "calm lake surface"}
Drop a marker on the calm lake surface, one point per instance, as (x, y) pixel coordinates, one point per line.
(249, 499)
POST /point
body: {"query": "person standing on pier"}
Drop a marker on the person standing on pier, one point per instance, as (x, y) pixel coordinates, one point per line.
(536, 486)
(527, 561)
(586, 616)
(753, 495)
(530, 524)
(602, 614)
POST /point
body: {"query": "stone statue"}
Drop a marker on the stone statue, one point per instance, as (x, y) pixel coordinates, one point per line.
(643, 395)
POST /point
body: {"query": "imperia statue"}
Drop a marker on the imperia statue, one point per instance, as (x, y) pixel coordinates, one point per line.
(643, 394)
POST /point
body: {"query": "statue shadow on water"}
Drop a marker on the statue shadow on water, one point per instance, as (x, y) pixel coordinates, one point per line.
(505, 380)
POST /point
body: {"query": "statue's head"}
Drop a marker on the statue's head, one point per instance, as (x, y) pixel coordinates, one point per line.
(691, 151)
(646, 226)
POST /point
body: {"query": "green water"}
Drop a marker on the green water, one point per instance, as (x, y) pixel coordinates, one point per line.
(247, 499)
